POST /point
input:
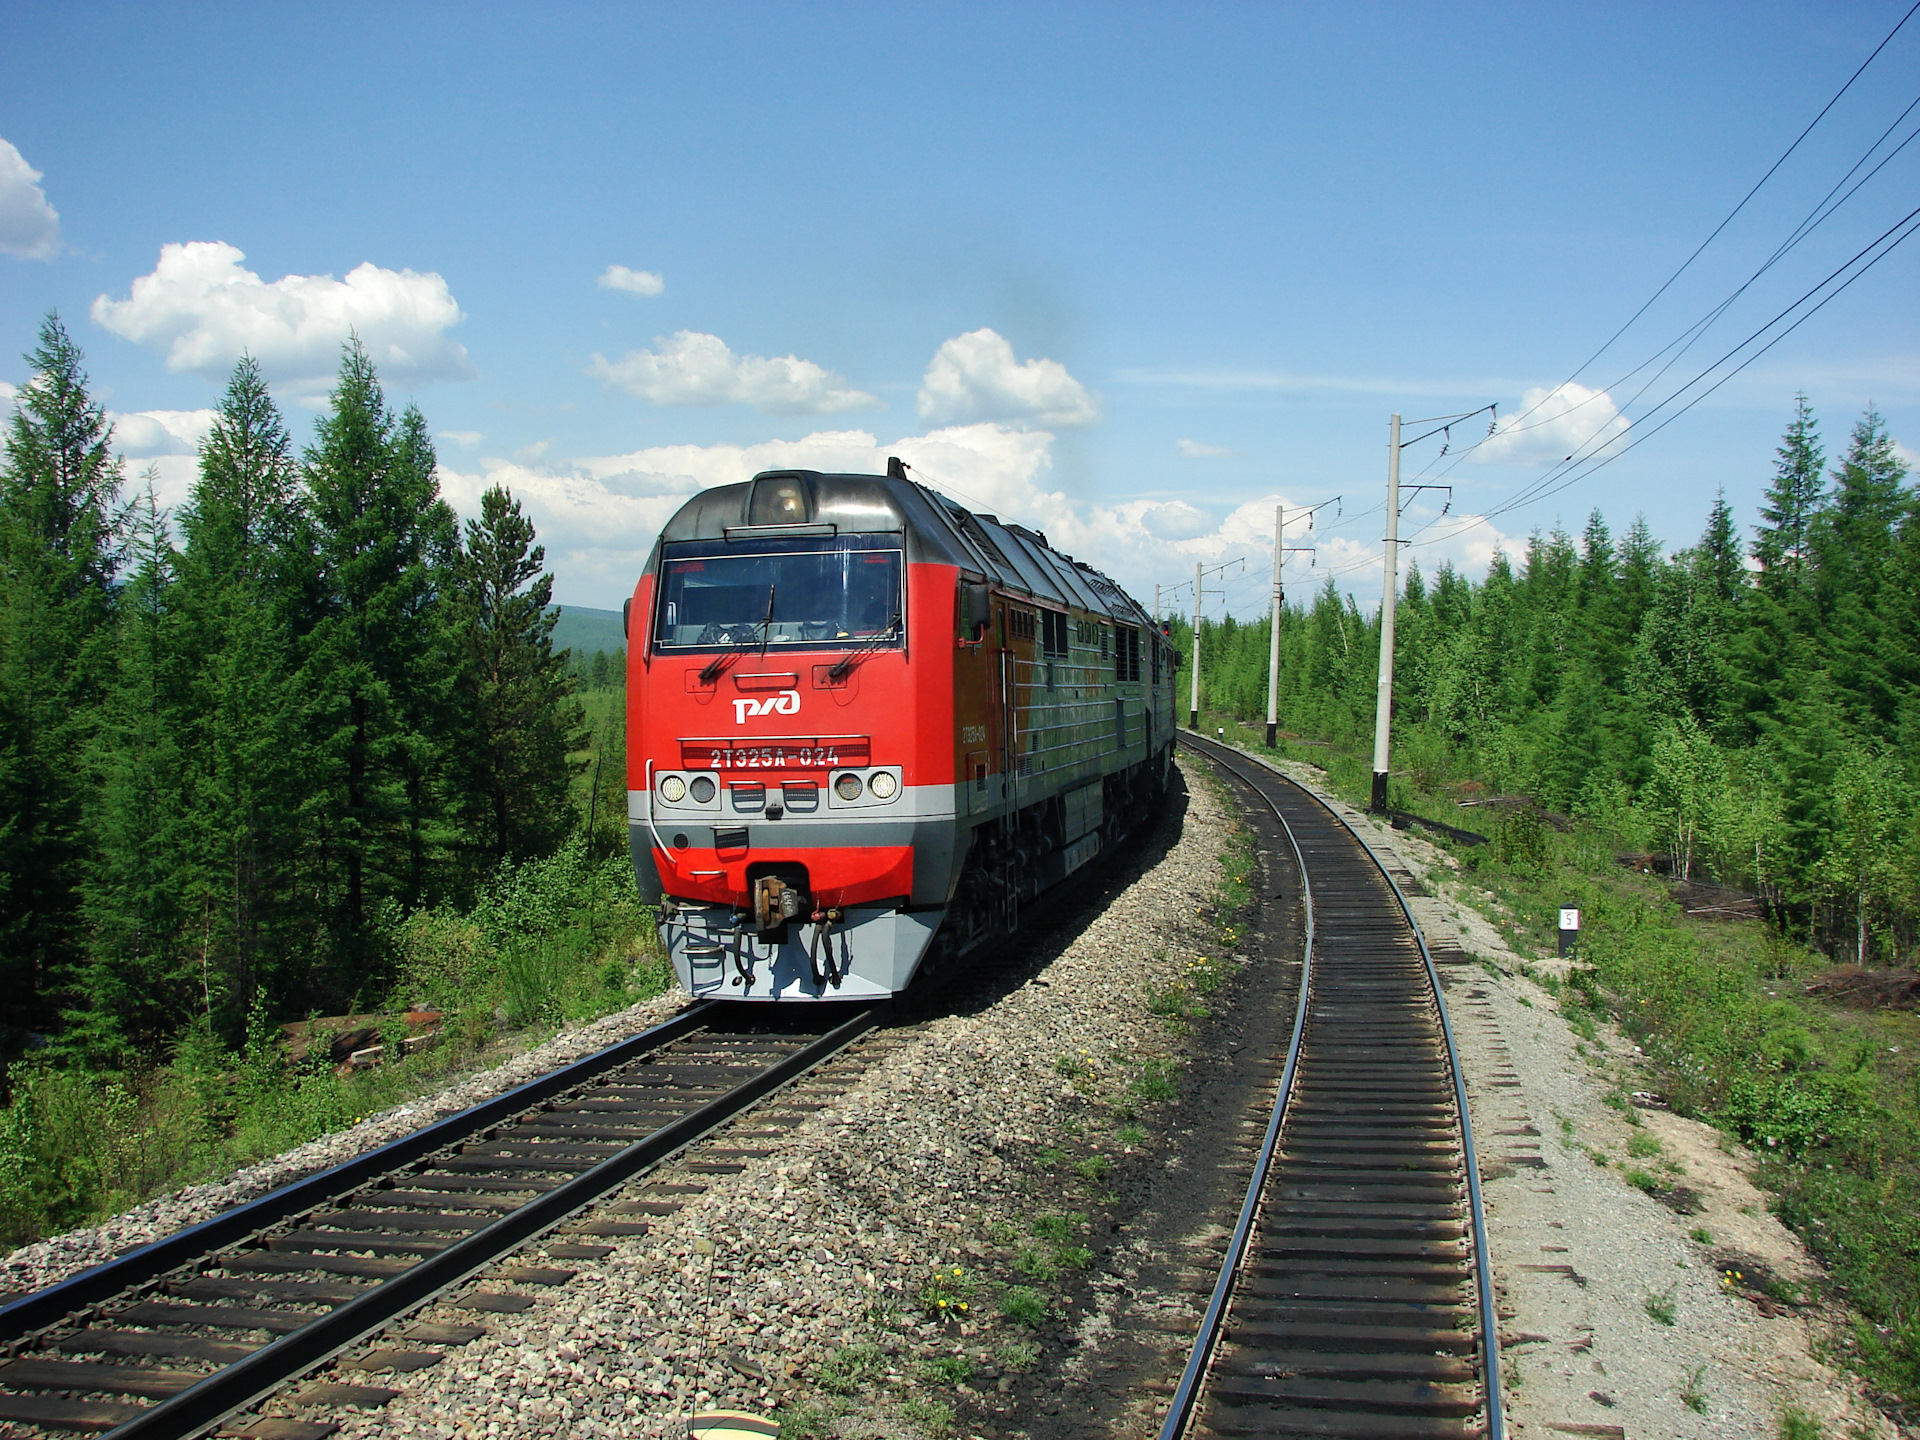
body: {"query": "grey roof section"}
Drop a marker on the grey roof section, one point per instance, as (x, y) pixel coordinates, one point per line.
(938, 531)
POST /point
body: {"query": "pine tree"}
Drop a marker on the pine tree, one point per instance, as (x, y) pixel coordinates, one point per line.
(60, 555)
(243, 582)
(516, 691)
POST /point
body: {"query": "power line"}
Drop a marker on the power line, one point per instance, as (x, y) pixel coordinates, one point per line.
(1812, 221)
(1912, 223)
(1567, 472)
(1771, 169)
(1756, 334)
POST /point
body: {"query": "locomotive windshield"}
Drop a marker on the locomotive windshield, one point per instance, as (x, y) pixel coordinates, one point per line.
(780, 593)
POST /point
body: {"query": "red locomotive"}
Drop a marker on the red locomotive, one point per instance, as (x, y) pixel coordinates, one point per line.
(867, 726)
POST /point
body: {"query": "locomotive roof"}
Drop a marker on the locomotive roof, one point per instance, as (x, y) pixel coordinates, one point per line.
(938, 531)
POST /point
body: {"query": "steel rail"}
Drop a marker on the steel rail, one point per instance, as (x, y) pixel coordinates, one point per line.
(1188, 1391)
(36, 1311)
(1483, 1278)
(248, 1381)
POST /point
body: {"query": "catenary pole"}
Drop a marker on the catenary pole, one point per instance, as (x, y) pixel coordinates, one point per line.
(1383, 708)
(1273, 637)
(1193, 705)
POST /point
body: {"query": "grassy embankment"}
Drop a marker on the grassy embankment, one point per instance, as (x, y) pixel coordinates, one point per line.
(550, 942)
(1826, 1096)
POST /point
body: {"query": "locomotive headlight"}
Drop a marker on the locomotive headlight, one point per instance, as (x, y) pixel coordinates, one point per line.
(847, 787)
(703, 788)
(884, 786)
(673, 789)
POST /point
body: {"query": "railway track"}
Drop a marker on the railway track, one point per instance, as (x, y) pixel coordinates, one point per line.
(1355, 1299)
(180, 1336)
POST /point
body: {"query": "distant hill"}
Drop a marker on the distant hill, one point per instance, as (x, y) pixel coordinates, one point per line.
(586, 631)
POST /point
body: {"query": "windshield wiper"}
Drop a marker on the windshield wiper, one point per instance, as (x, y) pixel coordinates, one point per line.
(716, 666)
(873, 642)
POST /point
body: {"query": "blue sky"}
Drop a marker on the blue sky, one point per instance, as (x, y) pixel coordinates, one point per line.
(1129, 273)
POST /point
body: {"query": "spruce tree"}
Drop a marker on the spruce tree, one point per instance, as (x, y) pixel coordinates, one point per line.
(1853, 542)
(1855, 533)
(516, 691)
(1717, 557)
(1641, 557)
(1792, 501)
(60, 555)
(138, 983)
(243, 581)
(427, 696)
(373, 660)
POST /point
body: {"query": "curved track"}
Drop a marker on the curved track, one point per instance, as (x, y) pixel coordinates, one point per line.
(174, 1338)
(1355, 1299)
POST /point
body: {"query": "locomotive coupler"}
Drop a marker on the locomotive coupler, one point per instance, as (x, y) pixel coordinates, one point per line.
(775, 903)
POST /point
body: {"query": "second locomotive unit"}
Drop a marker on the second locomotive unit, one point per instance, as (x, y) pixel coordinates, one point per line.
(866, 726)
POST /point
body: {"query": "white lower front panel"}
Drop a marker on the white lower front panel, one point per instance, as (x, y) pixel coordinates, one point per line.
(871, 954)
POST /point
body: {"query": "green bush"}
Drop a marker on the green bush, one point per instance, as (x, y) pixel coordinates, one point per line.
(1520, 842)
(559, 939)
(1790, 1114)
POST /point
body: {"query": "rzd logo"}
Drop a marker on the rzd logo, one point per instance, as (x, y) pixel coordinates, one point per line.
(787, 702)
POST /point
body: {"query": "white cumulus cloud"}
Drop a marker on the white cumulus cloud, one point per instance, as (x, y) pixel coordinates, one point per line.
(1176, 520)
(634, 282)
(598, 515)
(975, 377)
(161, 432)
(1553, 424)
(691, 368)
(461, 437)
(1200, 450)
(29, 226)
(205, 310)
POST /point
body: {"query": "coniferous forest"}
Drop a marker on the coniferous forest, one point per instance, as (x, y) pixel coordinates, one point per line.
(303, 747)
(1748, 707)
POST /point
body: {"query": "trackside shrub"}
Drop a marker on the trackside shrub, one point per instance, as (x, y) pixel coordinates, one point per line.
(558, 939)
